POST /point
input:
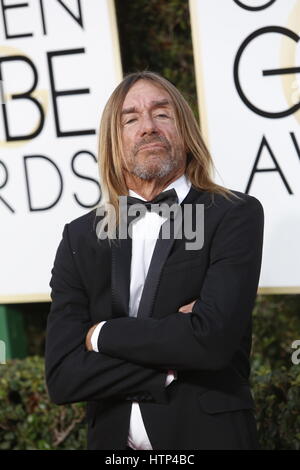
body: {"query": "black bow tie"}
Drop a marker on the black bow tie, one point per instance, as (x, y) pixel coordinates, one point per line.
(160, 204)
(166, 197)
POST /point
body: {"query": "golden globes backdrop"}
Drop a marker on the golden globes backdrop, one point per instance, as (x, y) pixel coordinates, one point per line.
(59, 62)
(247, 57)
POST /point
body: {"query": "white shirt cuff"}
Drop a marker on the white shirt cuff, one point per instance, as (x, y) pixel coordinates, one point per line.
(95, 336)
(172, 375)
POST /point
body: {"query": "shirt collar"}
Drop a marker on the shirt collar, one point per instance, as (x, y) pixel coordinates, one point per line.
(181, 185)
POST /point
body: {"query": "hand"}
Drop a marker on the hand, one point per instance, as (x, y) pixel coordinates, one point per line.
(187, 308)
(88, 343)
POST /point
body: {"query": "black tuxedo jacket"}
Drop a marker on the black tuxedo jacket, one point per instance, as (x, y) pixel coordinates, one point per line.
(210, 405)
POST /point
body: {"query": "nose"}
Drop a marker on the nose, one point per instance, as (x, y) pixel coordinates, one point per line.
(147, 125)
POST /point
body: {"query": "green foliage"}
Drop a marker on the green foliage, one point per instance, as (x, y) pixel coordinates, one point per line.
(275, 380)
(156, 35)
(277, 399)
(276, 325)
(28, 421)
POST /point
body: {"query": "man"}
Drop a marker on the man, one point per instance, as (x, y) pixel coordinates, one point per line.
(155, 334)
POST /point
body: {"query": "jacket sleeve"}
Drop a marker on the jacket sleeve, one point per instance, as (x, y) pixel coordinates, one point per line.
(208, 337)
(74, 374)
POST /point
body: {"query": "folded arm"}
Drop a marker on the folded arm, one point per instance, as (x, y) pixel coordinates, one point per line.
(74, 374)
(91, 343)
(208, 336)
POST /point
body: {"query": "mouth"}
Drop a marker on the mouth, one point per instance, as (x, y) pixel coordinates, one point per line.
(152, 145)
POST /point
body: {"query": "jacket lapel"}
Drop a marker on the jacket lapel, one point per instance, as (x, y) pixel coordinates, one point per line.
(159, 257)
(120, 257)
(120, 276)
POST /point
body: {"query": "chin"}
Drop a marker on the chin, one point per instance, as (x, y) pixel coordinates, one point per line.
(152, 172)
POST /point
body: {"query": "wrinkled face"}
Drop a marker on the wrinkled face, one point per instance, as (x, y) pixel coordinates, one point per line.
(152, 146)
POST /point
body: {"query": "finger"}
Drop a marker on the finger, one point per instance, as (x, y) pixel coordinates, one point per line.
(184, 309)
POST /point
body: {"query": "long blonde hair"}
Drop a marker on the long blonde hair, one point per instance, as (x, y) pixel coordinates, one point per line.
(199, 167)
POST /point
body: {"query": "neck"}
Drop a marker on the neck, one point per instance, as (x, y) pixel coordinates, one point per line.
(149, 189)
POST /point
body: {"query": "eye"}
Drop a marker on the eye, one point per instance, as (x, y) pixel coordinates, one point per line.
(130, 121)
(162, 115)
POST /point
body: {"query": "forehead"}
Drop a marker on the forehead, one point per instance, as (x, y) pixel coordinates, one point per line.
(145, 92)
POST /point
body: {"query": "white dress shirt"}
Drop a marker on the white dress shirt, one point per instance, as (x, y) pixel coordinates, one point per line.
(144, 236)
